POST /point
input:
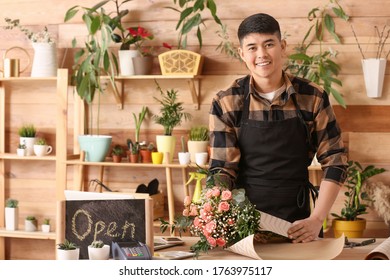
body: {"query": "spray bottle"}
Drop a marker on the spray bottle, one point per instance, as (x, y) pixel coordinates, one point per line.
(198, 186)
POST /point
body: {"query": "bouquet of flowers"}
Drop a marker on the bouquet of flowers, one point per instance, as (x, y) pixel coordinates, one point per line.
(220, 218)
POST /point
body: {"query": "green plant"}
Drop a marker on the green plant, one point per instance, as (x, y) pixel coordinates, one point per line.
(183, 145)
(191, 12)
(39, 37)
(31, 218)
(67, 245)
(199, 133)
(117, 150)
(172, 111)
(133, 147)
(151, 147)
(320, 67)
(21, 146)
(11, 203)
(46, 221)
(41, 141)
(95, 59)
(354, 203)
(27, 130)
(97, 244)
(138, 121)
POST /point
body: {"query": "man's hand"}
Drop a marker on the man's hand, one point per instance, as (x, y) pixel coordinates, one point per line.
(305, 230)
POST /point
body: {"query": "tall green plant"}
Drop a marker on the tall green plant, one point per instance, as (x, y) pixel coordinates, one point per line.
(95, 59)
(320, 67)
(354, 204)
(171, 112)
(138, 121)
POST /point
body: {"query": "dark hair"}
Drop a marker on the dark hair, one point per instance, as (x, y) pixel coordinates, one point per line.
(258, 23)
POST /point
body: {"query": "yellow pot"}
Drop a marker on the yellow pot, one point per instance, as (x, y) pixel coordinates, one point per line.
(166, 145)
(351, 229)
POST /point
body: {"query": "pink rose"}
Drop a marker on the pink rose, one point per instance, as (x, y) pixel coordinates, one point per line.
(187, 201)
(226, 195)
(209, 193)
(197, 222)
(193, 210)
(221, 242)
(207, 207)
(206, 233)
(216, 192)
(223, 206)
(210, 226)
(186, 212)
(211, 241)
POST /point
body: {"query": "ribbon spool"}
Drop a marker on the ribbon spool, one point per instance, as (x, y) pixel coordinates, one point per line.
(11, 66)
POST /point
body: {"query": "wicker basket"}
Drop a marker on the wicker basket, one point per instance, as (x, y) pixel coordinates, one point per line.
(180, 62)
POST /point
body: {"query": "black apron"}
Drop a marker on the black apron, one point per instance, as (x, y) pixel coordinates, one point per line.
(273, 166)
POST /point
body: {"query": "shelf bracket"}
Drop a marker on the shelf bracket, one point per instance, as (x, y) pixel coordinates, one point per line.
(193, 85)
(118, 95)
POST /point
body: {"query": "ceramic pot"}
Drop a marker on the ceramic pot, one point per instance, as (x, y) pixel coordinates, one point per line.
(68, 254)
(197, 147)
(99, 253)
(45, 60)
(374, 74)
(351, 229)
(166, 144)
(11, 218)
(143, 65)
(126, 62)
(95, 146)
(29, 142)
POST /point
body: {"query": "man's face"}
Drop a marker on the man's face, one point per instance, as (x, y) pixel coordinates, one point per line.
(263, 55)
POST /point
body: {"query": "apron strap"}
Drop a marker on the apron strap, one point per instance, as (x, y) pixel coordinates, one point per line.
(301, 197)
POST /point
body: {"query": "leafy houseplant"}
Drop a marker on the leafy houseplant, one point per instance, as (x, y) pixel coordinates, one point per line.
(11, 214)
(30, 223)
(138, 121)
(198, 141)
(27, 130)
(320, 67)
(67, 250)
(27, 134)
(41, 141)
(98, 251)
(355, 201)
(46, 225)
(117, 152)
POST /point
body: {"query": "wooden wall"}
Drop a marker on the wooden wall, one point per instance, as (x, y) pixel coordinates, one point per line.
(363, 115)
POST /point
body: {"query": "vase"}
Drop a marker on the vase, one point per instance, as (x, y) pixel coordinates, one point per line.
(143, 65)
(11, 218)
(126, 62)
(180, 62)
(374, 73)
(95, 146)
(45, 60)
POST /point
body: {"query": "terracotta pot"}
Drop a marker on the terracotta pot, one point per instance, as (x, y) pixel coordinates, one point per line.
(146, 156)
(116, 158)
(134, 158)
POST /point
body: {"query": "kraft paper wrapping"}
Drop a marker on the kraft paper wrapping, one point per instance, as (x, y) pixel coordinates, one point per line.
(321, 249)
(382, 252)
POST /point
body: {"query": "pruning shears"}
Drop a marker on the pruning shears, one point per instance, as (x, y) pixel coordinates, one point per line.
(350, 244)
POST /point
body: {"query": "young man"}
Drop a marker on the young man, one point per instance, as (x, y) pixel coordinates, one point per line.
(266, 128)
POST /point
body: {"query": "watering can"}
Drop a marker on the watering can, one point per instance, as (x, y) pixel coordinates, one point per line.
(11, 66)
(198, 186)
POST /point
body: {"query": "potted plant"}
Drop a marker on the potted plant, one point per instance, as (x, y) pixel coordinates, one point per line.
(374, 68)
(30, 223)
(171, 115)
(11, 214)
(355, 204)
(45, 50)
(138, 121)
(41, 148)
(320, 66)
(67, 251)
(133, 151)
(198, 140)
(27, 134)
(21, 150)
(191, 17)
(98, 251)
(46, 225)
(117, 152)
(146, 152)
(184, 156)
(91, 63)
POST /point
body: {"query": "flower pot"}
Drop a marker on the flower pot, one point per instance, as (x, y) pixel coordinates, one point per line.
(134, 158)
(184, 158)
(197, 147)
(99, 253)
(68, 254)
(351, 229)
(95, 146)
(45, 60)
(11, 218)
(126, 62)
(29, 142)
(45, 228)
(180, 62)
(146, 156)
(374, 73)
(30, 225)
(143, 65)
(157, 157)
(166, 144)
(116, 158)
(42, 150)
(21, 152)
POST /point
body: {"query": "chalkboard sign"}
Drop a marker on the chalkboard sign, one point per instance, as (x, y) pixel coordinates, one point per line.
(107, 220)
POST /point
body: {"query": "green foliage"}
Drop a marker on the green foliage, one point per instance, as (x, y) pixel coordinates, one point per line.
(95, 59)
(354, 203)
(27, 130)
(133, 147)
(199, 133)
(67, 245)
(172, 111)
(117, 150)
(97, 244)
(46, 221)
(22, 146)
(138, 121)
(31, 218)
(320, 67)
(11, 203)
(41, 141)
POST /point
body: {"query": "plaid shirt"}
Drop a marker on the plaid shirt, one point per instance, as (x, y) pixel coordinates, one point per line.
(225, 118)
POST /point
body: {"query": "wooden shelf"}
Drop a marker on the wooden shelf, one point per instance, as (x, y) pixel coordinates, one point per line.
(192, 80)
(27, 234)
(13, 156)
(28, 79)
